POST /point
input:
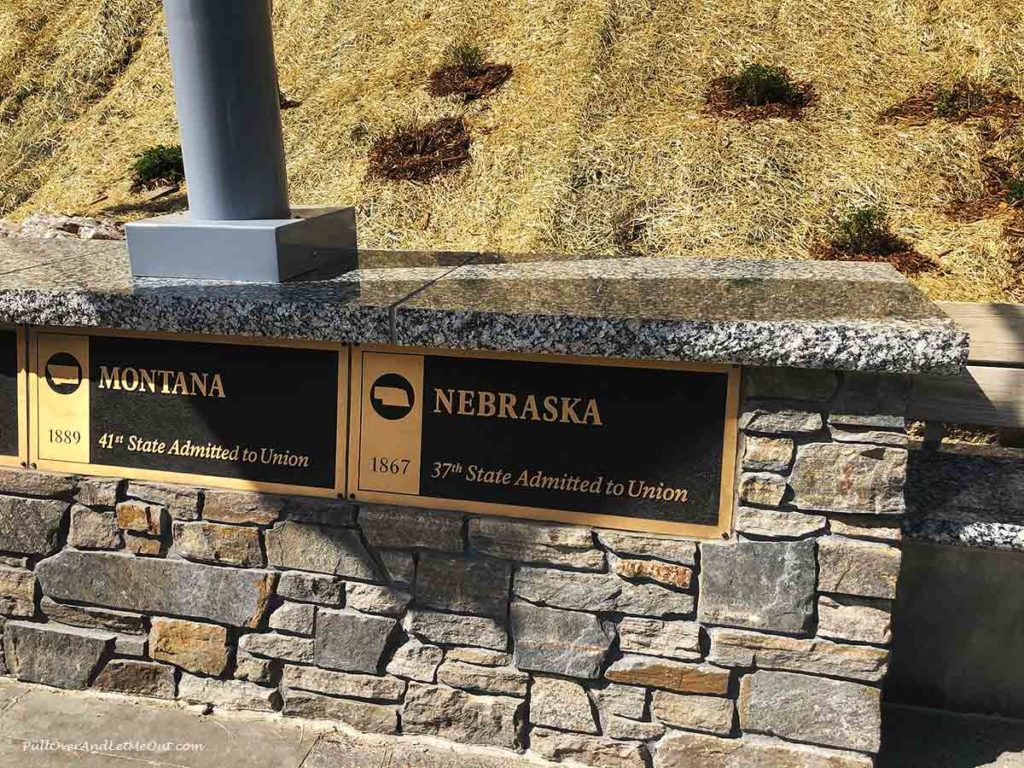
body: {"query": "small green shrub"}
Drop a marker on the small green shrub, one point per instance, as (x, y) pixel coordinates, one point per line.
(865, 230)
(760, 84)
(468, 58)
(466, 72)
(1015, 192)
(962, 97)
(157, 166)
(863, 234)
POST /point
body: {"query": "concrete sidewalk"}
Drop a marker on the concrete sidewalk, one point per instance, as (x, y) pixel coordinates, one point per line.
(48, 728)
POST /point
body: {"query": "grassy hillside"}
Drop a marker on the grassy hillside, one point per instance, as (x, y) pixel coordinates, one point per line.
(600, 141)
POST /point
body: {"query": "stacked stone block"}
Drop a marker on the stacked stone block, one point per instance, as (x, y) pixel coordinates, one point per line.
(600, 647)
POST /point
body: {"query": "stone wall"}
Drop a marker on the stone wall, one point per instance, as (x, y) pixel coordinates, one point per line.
(606, 648)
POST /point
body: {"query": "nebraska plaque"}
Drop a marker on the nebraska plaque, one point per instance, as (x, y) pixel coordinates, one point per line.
(609, 443)
(254, 415)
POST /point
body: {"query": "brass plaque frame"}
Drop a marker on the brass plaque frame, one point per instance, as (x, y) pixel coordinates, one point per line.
(690, 530)
(208, 481)
(21, 460)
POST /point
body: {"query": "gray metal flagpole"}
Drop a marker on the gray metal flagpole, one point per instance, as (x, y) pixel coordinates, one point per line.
(226, 90)
(239, 225)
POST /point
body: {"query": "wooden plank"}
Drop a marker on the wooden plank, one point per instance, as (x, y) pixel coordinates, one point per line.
(983, 397)
(997, 330)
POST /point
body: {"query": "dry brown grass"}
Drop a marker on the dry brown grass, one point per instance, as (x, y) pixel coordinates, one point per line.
(716, 188)
(599, 142)
(57, 60)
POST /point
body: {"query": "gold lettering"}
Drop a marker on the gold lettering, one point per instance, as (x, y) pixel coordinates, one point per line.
(110, 379)
(130, 379)
(486, 406)
(443, 400)
(530, 409)
(156, 380)
(199, 383)
(217, 387)
(569, 410)
(551, 408)
(180, 385)
(506, 405)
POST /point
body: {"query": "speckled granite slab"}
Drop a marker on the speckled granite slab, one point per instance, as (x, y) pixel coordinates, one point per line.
(971, 497)
(92, 286)
(803, 314)
(843, 316)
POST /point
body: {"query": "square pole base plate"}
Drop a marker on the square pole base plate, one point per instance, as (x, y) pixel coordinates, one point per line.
(260, 251)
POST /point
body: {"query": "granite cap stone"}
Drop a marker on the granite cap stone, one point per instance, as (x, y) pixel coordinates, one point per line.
(77, 283)
(802, 314)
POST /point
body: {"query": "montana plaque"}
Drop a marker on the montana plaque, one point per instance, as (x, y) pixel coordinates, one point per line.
(254, 415)
(614, 444)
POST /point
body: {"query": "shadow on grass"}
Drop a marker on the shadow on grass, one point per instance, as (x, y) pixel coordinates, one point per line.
(171, 204)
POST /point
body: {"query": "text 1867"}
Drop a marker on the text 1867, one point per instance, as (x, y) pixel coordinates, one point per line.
(386, 466)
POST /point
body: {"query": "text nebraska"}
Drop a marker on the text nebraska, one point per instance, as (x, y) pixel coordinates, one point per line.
(505, 405)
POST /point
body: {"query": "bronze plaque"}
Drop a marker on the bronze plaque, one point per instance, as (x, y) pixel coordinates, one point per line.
(13, 407)
(253, 414)
(613, 444)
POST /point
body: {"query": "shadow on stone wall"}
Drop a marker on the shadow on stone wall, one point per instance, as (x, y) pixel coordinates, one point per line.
(958, 622)
(918, 738)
